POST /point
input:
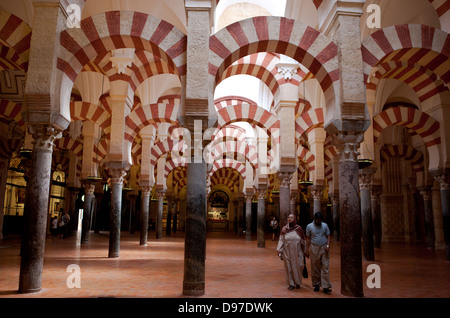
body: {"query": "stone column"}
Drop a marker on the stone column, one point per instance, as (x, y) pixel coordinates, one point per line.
(4, 162)
(195, 237)
(145, 207)
(365, 181)
(375, 192)
(89, 188)
(175, 215)
(248, 216)
(260, 217)
(293, 204)
(336, 223)
(350, 221)
(285, 194)
(117, 177)
(36, 209)
(317, 194)
(159, 214)
(428, 211)
(444, 181)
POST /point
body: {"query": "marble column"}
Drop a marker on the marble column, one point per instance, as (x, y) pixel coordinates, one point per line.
(293, 204)
(248, 217)
(285, 196)
(36, 209)
(444, 181)
(169, 215)
(375, 192)
(195, 236)
(89, 188)
(159, 214)
(350, 216)
(4, 162)
(428, 211)
(317, 194)
(365, 181)
(261, 242)
(175, 215)
(117, 177)
(336, 224)
(145, 210)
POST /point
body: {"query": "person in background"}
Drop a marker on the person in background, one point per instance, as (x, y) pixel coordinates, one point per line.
(318, 247)
(273, 227)
(54, 227)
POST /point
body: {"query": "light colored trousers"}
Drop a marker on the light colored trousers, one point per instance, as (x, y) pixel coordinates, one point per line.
(320, 266)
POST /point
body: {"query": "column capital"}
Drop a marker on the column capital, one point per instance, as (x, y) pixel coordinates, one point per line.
(426, 192)
(146, 190)
(285, 179)
(444, 181)
(261, 193)
(44, 136)
(317, 192)
(375, 192)
(365, 180)
(89, 186)
(160, 193)
(117, 175)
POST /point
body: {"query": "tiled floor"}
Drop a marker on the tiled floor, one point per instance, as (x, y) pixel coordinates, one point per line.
(235, 268)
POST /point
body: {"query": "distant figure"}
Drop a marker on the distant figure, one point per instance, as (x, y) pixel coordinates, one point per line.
(54, 227)
(63, 225)
(273, 228)
(290, 249)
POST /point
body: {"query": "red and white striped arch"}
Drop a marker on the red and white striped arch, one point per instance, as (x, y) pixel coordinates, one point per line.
(13, 111)
(418, 122)
(16, 34)
(252, 114)
(163, 147)
(9, 59)
(233, 147)
(145, 115)
(423, 81)
(229, 132)
(91, 112)
(413, 43)
(309, 120)
(74, 146)
(232, 100)
(228, 163)
(280, 35)
(442, 8)
(306, 157)
(409, 153)
(173, 164)
(125, 29)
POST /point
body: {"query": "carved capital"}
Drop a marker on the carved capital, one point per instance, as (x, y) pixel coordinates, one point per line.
(285, 179)
(375, 192)
(146, 190)
(365, 181)
(160, 194)
(317, 192)
(117, 175)
(426, 193)
(348, 144)
(89, 187)
(44, 136)
(287, 70)
(261, 193)
(444, 181)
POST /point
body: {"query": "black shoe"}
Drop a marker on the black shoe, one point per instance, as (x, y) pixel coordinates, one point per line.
(316, 288)
(291, 287)
(297, 286)
(327, 290)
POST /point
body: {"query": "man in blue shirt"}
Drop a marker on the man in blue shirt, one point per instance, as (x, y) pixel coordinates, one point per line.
(318, 247)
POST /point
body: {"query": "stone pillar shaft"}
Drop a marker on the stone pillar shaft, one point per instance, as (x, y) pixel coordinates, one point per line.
(444, 181)
(248, 217)
(115, 212)
(4, 162)
(366, 217)
(350, 217)
(195, 236)
(36, 211)
(376, 215)
(145, 206)
(260, 217)
(89, 196)
(159, 214)
(428, 211)
(285, 197)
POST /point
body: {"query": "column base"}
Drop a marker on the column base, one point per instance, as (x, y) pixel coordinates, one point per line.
(193, 289)
(29, 291)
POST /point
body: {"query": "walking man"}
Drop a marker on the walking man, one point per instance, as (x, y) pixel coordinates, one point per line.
(318, 247)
